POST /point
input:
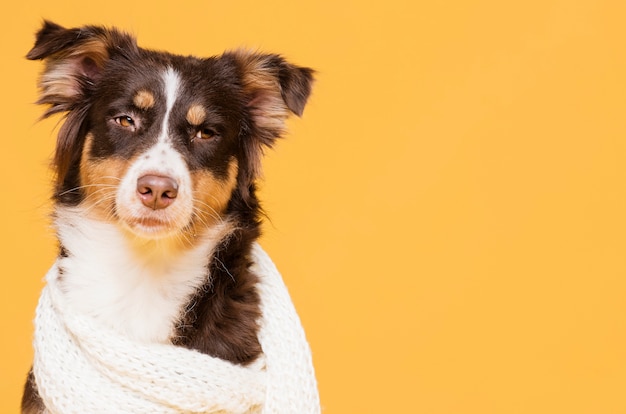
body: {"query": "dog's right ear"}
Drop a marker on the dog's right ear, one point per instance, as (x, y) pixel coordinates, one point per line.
(74, 60)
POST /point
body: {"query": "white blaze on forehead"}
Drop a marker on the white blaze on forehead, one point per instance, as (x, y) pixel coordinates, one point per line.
(171, 81)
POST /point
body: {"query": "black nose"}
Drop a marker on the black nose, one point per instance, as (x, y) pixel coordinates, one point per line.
(157, 192)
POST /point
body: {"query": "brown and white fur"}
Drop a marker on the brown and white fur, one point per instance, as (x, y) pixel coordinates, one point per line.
(155, 204)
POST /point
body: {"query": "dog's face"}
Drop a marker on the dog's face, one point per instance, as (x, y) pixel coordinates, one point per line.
(157, 143)
(161, 150)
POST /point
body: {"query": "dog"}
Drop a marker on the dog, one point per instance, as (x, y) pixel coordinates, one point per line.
(154, 204)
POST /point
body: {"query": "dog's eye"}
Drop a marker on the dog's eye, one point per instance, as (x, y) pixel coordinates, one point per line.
(206, 133)
(125, 121)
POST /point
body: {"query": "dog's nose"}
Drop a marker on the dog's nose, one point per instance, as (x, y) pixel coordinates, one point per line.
(157, 192)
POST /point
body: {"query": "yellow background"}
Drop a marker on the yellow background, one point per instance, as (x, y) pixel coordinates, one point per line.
(448, 215)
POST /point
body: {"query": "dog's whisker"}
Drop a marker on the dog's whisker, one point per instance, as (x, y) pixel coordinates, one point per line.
(210, 210)
(111, 177)
(202, 219)
(99, 201)
(204, 194)
(80, 187)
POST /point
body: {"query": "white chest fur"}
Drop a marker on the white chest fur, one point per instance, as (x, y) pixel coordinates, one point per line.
(137, 287)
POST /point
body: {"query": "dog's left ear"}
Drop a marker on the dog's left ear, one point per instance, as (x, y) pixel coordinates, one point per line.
(274, 90)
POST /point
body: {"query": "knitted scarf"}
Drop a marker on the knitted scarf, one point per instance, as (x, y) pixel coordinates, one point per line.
(81, 367)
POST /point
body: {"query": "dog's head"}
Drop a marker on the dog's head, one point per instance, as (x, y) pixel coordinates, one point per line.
(156, 142)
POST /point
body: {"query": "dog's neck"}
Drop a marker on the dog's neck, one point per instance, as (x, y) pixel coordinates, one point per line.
(136, 286)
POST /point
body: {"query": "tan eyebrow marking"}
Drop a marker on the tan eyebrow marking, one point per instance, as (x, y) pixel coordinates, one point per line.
(144, 99)
(196, 114)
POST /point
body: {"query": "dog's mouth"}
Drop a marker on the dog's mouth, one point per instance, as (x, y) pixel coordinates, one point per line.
(155, 202)
(154, 223)
(153, 213)
(149, 225)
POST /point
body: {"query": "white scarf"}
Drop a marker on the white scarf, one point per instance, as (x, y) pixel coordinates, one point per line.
(81, 367)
